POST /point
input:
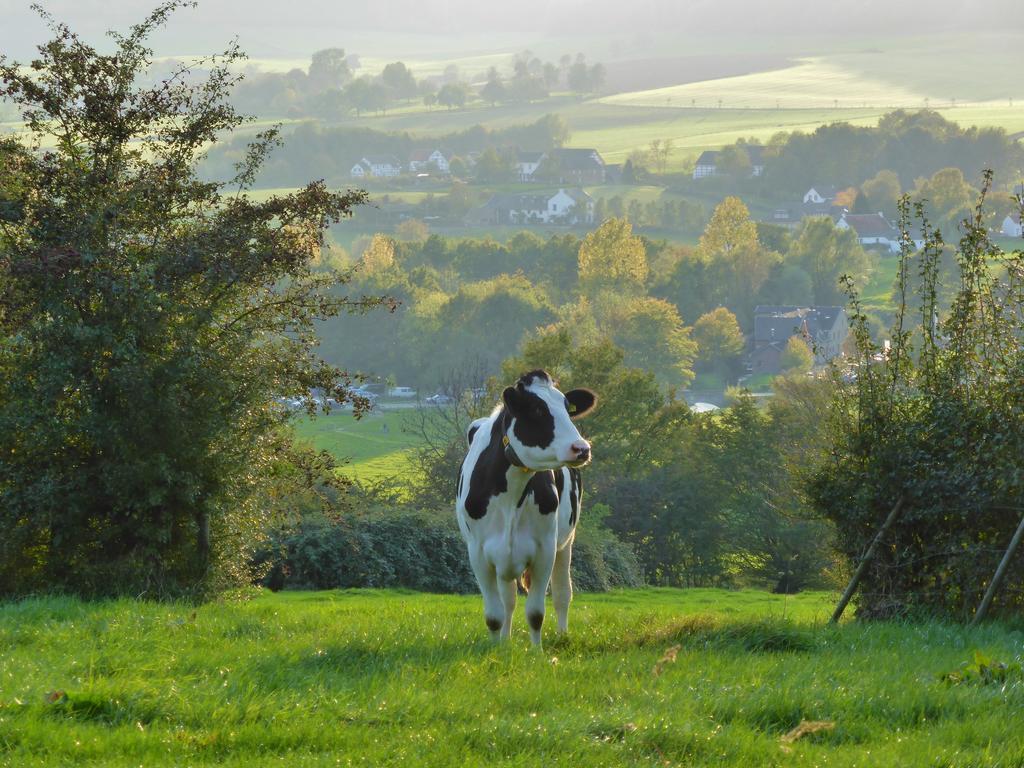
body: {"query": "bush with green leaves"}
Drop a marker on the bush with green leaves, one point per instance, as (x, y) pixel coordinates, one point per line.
(148, 321)
(937, 420)
(384, 545)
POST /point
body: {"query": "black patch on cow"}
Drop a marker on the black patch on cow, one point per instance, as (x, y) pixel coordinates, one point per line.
(535, 424)
(472, 431)
(575, 493)
(542, 487)
(560, 482)
(493, 624)
(527, 378)
(488, 478)
(536, 620)
(579, 402)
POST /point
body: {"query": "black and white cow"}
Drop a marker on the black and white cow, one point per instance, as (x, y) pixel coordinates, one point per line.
(519, 499)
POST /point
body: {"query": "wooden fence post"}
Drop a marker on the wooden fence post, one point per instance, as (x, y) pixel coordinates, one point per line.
(837, 614)
(1000, 573)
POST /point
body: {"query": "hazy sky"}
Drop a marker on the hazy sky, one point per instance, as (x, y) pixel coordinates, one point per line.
(275, 28)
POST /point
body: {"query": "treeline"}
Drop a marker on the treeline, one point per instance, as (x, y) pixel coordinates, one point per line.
(909, 144)
(315, 151)
(471, 301)
(330, 89)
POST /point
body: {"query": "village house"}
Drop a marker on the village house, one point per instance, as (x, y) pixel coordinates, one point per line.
(707, 163)
(423, 160)
(573, 166)
(376, 166)
(566, 206)
(527, 164)
(875, 229)
(823, 328)
(1012, 226)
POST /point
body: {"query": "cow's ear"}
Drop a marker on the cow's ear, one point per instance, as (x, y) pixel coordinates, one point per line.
(581, 402)
(511, 399)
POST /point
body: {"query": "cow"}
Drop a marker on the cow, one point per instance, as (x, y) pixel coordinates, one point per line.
(518, 499)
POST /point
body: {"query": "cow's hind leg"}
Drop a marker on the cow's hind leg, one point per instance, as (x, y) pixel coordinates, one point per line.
(488, 581)
(540, 576)
(561, 586)
(507, 589)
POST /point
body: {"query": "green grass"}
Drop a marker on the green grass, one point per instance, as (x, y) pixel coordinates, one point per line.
(371, 452)
(392, 678)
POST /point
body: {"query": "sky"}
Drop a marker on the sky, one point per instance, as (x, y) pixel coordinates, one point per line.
(277, 29)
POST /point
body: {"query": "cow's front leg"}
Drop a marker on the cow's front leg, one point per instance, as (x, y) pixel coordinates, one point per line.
(488, 581)
(561, 587)
(540, 575)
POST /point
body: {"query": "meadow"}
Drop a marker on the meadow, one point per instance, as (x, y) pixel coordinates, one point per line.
(648, 677)
(374, 447)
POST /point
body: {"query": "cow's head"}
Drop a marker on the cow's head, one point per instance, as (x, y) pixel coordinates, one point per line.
(540, 430)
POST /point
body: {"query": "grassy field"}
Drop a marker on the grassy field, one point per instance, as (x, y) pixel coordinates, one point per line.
(366, 678)
(376, 446)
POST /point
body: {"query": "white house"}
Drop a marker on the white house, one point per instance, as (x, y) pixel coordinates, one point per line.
(573, 206)
(1013, 226)
(566, 206)
(378, 166)
(422, 160)
(873, 229)
(707, 164)
(527, 164)
(820, 195)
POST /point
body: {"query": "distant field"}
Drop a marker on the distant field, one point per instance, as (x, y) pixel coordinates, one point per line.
(375, 446)
(647, 677)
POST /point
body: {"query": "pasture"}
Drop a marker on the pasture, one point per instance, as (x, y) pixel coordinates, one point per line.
(379, 678)
(375, 447)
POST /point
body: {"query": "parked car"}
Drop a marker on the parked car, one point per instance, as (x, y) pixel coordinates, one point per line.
(401, 392)
(440, 399)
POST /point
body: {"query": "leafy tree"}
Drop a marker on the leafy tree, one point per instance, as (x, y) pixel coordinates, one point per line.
(653, 337)
(493, 90)
(148, 323)
(452, 95)
(947, 198)
(379, 255)
(936, 421)
(826, 254)
(399, 80)
(366, 95)
(883, 189)
(797, 357)
(720, 342)
(613, 256)
(734, 161)
(492, 166)
(729, 229)
(328, 70)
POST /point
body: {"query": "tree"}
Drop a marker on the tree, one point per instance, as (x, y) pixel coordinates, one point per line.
(492, 166)
(734, 161)
(493, 90)
(399, 80)
(730, 228)
(796, 357)
(883, 189)
(366, 95)
(379, 255)
(328, 70)
(452, 95)
(612, 255)
(947, 198)
(149, 322)
(826, 254)
(719, 341)
(652, 335)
